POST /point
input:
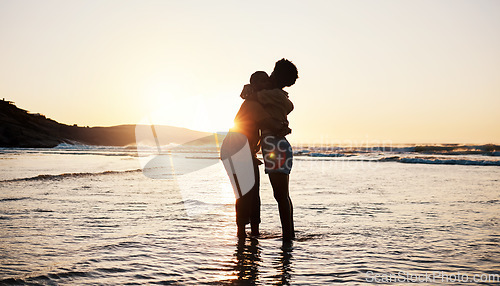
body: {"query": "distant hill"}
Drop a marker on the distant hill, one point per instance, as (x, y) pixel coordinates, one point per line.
(20, 128)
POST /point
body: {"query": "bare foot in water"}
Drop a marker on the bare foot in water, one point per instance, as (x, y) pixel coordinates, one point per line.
(242, 234)
(255, 230)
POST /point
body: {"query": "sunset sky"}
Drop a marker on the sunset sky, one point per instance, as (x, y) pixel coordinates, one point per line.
(399, 71)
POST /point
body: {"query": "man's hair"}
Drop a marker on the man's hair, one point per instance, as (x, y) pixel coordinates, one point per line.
(285, 73)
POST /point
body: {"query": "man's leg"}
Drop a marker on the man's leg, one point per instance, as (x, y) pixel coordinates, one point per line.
(279, 182)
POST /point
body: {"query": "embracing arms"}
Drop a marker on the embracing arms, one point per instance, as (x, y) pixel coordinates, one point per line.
(264, 121)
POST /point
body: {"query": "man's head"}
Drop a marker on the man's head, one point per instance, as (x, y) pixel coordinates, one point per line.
(284, 74)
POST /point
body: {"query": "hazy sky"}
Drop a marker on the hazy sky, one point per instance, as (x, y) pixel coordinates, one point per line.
(402, 71)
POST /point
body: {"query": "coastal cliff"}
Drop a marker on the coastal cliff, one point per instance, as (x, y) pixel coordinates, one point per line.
(20, 128)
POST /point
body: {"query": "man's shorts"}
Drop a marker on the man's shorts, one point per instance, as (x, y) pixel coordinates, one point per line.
(278, 155)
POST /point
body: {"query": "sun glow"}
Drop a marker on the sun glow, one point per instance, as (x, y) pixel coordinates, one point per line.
(194, 112)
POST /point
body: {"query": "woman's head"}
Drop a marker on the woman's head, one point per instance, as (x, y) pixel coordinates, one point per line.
(259, 81)
(284, 74)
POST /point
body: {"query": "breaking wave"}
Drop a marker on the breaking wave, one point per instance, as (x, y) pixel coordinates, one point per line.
(450, 154)
(446, 149)
(441, 161)
(49, 177)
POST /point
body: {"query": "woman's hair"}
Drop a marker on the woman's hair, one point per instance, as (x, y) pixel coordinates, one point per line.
(258, 81)
(258, 77)
(285, 73)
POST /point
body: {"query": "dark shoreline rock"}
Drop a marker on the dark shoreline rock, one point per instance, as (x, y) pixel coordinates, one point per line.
(19, 128)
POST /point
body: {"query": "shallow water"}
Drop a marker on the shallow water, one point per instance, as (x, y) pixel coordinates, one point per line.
(94, 227)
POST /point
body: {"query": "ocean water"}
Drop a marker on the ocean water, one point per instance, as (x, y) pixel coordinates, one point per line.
(79, 215)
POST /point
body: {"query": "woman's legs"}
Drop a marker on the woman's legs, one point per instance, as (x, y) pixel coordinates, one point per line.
(248, 207)
(242, 214)
(279, 182)
(255, 205)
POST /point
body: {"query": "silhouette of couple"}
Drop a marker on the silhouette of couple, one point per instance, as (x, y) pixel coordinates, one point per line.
(262, 118)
